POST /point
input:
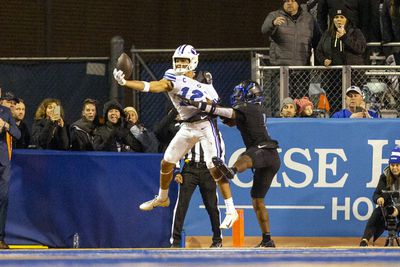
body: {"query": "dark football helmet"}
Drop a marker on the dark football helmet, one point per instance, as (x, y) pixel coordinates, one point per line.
(247, 92)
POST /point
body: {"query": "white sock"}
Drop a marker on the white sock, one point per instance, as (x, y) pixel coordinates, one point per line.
(162, 194)
(230, 207)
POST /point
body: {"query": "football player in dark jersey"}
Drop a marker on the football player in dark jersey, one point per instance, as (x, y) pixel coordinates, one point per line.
(261, 151)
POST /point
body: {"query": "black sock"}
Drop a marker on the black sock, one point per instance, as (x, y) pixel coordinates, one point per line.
(266, 237)
(234, 169)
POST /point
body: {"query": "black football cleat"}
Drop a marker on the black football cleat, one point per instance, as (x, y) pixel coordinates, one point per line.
(216, 244)
(225, 170)
(269, 244)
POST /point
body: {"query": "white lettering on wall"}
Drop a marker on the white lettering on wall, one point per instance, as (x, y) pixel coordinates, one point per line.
(357, 203)
(290, 164)
(377, 161)
(323, 166)
(345, 208)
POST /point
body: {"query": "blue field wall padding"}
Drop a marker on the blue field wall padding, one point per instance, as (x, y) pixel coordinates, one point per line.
(324, 187)
(56, 194)
(329, 171)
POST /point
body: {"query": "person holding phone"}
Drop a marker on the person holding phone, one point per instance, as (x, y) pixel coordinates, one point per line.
(49, 130)
(355, 106)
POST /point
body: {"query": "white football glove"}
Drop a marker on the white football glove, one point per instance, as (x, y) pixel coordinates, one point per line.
(119, 76)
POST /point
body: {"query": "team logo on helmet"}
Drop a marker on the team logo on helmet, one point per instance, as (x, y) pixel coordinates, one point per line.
(247, 92)
(186, 52)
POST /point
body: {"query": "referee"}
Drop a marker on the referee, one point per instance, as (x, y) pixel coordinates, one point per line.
(195, 173)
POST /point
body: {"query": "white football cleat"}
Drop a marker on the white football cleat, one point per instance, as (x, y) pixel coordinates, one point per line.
(151, 204)
(229, 220)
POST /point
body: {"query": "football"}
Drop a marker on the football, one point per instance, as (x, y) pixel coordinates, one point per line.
(125, 64)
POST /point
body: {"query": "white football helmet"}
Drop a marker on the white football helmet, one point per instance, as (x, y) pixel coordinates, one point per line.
(188, 52)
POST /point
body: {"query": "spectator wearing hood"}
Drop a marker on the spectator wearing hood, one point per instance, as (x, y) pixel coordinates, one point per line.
(49, 130)
(113, 136)
(81, 131)
(342, 43)
(293, 32)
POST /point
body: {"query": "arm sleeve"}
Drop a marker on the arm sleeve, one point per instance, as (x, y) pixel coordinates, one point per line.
(216, 110)
(268, 27)
(387, 34)
(355, 41)
(13, 130)
(322, 15)
(320, 54)
(381, 186)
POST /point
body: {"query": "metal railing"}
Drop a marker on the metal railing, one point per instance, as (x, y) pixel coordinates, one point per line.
(379, 84)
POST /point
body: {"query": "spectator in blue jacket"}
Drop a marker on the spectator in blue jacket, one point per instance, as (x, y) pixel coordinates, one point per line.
(8, 130)
(355, 106)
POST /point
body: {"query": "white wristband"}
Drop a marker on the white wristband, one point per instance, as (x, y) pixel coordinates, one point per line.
(146, 87)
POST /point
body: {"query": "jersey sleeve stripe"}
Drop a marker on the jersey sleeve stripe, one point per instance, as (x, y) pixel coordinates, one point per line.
(170, 76)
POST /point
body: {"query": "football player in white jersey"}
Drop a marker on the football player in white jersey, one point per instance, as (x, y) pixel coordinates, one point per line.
(196, 126)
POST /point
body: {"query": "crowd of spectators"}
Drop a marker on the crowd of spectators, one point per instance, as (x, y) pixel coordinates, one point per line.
(121, 130)
(337, 31)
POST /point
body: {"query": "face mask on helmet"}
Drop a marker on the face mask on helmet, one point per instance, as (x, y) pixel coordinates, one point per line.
(185, 52)
(246, 92)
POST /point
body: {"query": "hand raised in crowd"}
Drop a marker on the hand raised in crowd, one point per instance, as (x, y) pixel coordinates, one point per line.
(327, 62)
(380, 201)
(340, 31)
(279, 21)
(54, 117)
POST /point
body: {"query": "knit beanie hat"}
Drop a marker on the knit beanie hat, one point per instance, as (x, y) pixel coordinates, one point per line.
(302, 103)
(112, 104)
(395, 155)
(288, 100)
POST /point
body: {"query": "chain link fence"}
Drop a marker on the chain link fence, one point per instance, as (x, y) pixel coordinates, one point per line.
(379, 84)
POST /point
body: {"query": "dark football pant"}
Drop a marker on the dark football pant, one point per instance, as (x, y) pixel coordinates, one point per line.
(196, 174)
(266, 164)
(4, 186)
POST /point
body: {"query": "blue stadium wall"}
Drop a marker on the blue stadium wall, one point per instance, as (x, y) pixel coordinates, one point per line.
(329, 171)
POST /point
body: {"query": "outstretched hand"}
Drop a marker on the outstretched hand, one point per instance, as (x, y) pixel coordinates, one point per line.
(119, 76)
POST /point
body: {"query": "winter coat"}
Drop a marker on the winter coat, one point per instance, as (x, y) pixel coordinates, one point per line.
(46, 134)
(348, 51)
(81, 133)
(390, 24)
(291, 42)
(114, 137)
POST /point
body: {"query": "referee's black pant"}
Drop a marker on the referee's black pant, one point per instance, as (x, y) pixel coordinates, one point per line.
(196, 174)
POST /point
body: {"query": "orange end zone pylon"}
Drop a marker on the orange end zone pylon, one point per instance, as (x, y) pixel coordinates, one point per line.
(238, 230)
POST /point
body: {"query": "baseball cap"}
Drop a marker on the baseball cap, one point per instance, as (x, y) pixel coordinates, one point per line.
(10, 97)
(354, 88)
